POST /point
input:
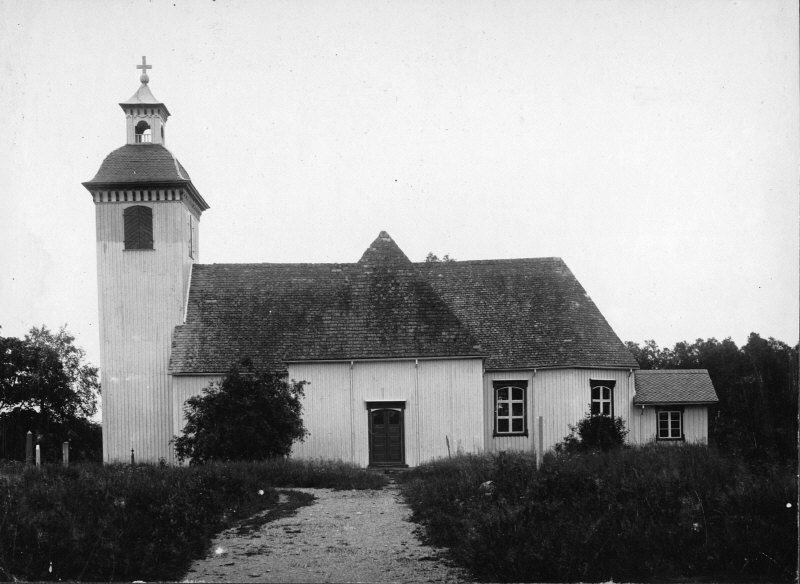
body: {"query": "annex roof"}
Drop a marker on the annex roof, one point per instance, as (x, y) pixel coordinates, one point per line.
(139, 163)
(516, 313)
(674, 386)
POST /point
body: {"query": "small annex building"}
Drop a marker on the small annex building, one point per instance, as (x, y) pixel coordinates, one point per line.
(405, 362)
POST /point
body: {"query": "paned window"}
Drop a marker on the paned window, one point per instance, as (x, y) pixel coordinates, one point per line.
(138, 227)
(670, 425)
(510, 408)
(602, 398)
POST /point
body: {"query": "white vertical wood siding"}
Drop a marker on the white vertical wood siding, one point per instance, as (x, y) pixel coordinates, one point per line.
(450, 406)
(335, 414)
(184, 387)
(327, 411)
(141, 298)
(695, 424)
(442, 397)
(561, 396)
(644, 423)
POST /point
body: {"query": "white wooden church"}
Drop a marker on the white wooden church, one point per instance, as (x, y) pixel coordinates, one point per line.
(405, 361)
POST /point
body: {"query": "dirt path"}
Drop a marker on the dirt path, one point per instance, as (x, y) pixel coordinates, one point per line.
(344, 536)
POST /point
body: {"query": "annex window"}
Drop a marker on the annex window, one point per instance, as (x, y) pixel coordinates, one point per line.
(670, 424)
(602, 398)
(510, 408)
(138, 227)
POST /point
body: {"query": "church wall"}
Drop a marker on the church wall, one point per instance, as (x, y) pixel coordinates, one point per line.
(334, 410)
(141, 297)
(442, 398)
(561, 396)
(327, 411)
(184, 387)
(383, 381)
(450, 415)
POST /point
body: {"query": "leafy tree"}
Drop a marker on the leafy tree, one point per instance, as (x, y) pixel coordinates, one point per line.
(594, 433)
(47, 387)
(82, 376)
(249, 415)
(432, 258)
(757, 388)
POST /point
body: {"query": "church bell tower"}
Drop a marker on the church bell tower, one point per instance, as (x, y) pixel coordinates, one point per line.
(147, 216)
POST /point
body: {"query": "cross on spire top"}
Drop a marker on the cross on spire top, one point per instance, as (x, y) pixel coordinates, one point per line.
(144, 67)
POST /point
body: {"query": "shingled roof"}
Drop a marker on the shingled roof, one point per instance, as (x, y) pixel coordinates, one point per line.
(140, 163)
(528, 313)
(674, 386)
(377, 308)
(516, 313)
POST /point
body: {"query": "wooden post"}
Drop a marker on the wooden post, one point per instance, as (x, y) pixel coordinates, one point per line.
(132, 458)
(65, 453)
(38, 456)
(539, 440)
(29, 448)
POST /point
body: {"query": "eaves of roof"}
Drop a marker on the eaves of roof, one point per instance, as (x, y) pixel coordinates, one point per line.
(201, 202)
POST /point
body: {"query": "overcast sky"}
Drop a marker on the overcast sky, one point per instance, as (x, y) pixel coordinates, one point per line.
(652, 145)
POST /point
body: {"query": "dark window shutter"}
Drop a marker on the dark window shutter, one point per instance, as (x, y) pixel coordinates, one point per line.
(130, 227)
(145, 228)
(138, 227)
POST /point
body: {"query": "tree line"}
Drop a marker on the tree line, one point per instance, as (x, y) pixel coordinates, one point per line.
(757, 386)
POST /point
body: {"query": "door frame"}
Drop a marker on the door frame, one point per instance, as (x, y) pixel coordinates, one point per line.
(399, 406)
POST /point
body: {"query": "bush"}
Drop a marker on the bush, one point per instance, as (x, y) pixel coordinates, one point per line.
(249, 415)
(594, 433)
(444, 493)
(141, 522)
(627, 514)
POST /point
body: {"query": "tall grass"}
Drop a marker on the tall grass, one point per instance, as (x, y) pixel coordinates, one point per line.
(142, 522)
(632, 514)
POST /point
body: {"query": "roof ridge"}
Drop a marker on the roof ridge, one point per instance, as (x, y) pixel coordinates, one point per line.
(355, 264)
(272, 264)
(178, 165)
(491, 261)
(666, 371)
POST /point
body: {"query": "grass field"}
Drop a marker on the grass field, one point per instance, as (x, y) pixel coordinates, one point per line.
(141, 522)
(636, 514)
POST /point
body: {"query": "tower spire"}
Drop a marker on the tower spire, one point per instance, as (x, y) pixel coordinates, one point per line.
(145, 115)
(144, 67)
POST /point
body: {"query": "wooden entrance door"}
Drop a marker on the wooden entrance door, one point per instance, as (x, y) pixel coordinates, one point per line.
(386, 437)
